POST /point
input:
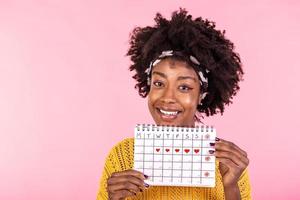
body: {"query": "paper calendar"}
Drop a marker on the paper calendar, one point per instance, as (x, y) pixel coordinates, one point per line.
(175, 156)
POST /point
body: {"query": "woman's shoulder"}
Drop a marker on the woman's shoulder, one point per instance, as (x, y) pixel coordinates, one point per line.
(121, 155)
(126, 144)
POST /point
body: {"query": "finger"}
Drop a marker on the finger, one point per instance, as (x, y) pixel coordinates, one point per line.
(228, 146)
(126, 178)
(244, 153)
(231, 165)
(121, 194)
(235, 155)
(124, 186)
(236, 147)
(131, 172)
(231, 156)
(228, 162)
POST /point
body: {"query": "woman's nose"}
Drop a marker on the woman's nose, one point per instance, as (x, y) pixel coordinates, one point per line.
(168, 96)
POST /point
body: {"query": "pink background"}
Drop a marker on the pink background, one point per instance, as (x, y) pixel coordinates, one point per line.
(66, 95)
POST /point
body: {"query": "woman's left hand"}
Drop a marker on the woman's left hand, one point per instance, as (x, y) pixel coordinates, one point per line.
(232, 161)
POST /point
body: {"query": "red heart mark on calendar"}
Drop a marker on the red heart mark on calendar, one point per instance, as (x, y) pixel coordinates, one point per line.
(206, 174)
(207, 158)
(186, 150)
(176, 150)
(196, 150)
(157, 150)
(167, 150)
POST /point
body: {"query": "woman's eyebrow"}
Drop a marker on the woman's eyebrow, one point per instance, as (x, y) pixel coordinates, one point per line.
(186, 77)
(159, 73)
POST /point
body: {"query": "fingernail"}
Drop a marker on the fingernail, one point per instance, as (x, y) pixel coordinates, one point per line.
(146, 185)
(211, 151)
(146, 176)
(217, 139)
(212, 144)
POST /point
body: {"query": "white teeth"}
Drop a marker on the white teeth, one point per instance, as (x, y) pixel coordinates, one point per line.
(168, 112)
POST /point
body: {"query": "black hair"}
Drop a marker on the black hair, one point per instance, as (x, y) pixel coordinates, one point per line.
(197, 37)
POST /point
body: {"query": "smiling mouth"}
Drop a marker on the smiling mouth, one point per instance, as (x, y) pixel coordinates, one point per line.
(167, 114)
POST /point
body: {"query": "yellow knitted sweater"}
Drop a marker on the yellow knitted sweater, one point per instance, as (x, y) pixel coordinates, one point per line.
(120, 158)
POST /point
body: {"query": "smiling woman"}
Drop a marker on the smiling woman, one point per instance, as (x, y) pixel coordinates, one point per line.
(174, 93)
(186, 67)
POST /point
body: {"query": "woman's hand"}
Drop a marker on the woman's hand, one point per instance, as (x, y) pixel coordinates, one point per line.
(126, 183)
(233, 161)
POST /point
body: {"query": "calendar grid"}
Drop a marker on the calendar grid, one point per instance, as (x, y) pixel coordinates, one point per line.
(175, 157)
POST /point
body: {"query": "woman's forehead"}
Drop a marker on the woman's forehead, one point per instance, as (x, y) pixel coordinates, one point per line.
(174, 67)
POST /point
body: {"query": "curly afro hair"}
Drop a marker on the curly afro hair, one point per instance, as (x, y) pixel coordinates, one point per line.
(197, 37)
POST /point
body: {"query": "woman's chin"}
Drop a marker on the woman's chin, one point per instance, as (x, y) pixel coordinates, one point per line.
(161, 122)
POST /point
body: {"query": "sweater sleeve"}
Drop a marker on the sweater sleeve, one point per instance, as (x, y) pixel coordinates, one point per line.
(120, 158)
(244, 186)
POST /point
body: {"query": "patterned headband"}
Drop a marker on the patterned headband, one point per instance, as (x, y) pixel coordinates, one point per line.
(170, 53)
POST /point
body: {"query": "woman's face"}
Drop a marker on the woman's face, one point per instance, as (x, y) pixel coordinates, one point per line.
(174, 93)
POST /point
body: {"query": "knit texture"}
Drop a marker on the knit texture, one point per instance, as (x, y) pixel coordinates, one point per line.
(121, 158)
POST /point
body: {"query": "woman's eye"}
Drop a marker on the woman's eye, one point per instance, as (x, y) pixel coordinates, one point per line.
(185, 88)
(157, 83)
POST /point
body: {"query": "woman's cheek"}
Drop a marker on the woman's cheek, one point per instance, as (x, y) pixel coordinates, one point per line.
(189, 100)
(152, 99)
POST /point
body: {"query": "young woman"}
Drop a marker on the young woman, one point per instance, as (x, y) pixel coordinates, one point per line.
(186, 67)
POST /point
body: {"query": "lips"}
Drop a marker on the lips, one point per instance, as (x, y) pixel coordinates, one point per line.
(168, 114)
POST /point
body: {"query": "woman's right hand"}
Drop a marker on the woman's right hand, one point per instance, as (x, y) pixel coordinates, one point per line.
(125, 184)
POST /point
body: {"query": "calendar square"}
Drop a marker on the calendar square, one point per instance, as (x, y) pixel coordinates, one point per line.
(167, 165)
(177, 165)
(187, 166)
(167, 179)
(187, 158)
(187, 174)
(139, 157)
(168, 143)
(157, 173)
(167, 158)
(177, 143)
(157, 179)
(197, 173)
(148, 149)
(177, 158)
(148, 165)
(187, 143)
(196, 166)
(167, 172)
(158, 142)
(158, 158)
(138, 165)
(177, 173)
(148, 172)
(149, 143)
(197, 158)
(187, 180)
(139, 142)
